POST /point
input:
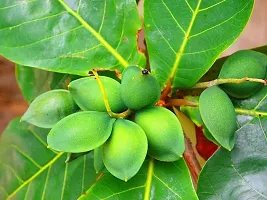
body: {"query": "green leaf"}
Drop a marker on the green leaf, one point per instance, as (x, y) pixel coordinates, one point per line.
(242, 173)
(70, 36)
(155, 180)
(33, 82)
(185, 37)
(29, 170)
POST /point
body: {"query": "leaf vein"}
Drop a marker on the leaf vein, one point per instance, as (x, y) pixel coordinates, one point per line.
(122, 30)
(25, 155)
(189, 6)
(117, 193)
(184, 43)
(167, 42)
(264, 133)
(64, 181)
(34, 20)
(84, 167)
(214, 5)
(13, 171)
(36, 174)
(40, 140)
(149, 179)
(173, 17)
(27, 192)
(4, 190)
(45, 184)
(227, 20)
(19, 4)
(103, 18)
(167, 186)
(79, 6)
(47, 38)
(97, 35)
(242, 178)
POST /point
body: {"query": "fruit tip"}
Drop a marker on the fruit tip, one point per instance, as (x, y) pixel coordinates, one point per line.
(48, 147)
(126, 179)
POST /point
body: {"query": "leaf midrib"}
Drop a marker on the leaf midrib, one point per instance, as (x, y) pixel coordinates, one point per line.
(121, 60)
(51, 162)
(182, 48)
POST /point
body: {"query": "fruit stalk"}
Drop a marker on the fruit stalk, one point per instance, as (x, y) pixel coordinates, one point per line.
(180, 102)
(111, 114)
(228, 80)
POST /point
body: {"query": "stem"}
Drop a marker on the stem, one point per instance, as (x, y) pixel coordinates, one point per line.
(103, 93)
(109, 111)
(166, 91)
(228, 80)
(250, 112)
(180, 102)
(123, 114)
(191, 160)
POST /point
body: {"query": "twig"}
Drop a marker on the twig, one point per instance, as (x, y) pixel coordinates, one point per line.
(229, 80)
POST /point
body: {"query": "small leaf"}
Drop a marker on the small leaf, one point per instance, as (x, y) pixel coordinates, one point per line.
(155, 180)
(29, 170)
(70, 36)
(185, 38)
(50, 107)
(80, 132)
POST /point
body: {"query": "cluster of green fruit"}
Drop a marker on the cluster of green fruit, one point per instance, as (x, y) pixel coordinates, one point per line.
(119, 144)
(216, 108)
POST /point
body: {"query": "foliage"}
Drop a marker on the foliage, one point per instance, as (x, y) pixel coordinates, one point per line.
(54, 43)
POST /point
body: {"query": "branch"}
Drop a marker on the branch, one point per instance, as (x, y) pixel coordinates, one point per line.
(229, 80)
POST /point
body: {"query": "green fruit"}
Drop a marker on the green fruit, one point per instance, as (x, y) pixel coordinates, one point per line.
(80, 132)
(50, 107)
(87, 94)
(243, 64)
(125, 151)
(164, 133)
(218, 115)
(98, 159)
(139, 88)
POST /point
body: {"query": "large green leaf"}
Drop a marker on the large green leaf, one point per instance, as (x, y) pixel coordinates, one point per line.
(242, 173)
(156, 180)
(185, 37)
(33, 82)
(71, 36)
(29, 170)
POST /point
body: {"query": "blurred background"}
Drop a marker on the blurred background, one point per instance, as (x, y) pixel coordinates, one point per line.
(12, 103)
